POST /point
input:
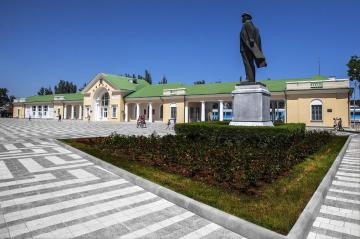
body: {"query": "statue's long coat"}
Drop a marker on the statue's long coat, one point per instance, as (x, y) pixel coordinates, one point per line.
(250, 40)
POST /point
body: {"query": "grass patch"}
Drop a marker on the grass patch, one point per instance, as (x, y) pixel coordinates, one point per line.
(276, 208)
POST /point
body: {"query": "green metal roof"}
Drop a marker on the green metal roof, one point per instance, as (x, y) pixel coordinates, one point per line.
(143, 89)
(123, 83)
(72, 96)
(213, 88)
(40, 98)
(154, 90)
(49, 98)
(280, 85)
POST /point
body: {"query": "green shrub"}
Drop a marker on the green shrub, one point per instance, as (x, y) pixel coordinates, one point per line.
(232, 157)
(255, 137)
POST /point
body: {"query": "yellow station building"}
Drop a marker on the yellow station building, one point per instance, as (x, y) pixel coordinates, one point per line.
(314, 101)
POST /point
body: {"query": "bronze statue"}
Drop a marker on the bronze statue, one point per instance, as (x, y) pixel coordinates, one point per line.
(250, 47)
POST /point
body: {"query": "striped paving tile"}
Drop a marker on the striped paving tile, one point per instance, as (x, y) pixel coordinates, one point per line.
(339, 216)
(48, 191)
(4, 171)
(60, 193)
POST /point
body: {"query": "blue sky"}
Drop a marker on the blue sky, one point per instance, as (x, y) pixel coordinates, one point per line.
(42, 42)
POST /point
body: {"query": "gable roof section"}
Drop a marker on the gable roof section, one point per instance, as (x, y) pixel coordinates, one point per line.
(123, 83)
(213, 88)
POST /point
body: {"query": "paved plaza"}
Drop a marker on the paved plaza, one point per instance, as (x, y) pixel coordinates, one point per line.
(339, 216)
(48, 191)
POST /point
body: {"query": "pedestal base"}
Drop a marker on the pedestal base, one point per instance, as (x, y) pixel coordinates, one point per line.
(251, 105)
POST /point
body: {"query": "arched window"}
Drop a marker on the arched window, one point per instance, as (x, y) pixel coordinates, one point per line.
(105, 99)
(316, 110)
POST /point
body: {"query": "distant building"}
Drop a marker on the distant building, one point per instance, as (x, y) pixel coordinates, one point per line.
(314, 101)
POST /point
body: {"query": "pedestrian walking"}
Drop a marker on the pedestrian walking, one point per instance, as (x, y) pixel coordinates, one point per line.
(340, 128)
(59, 118)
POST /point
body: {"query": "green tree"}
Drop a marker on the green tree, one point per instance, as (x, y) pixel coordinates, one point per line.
(354, 75)
(199, 82)
(5, 102)
(64, 87)
(45, 91)
(148, 77)
(4, 98)
(163, 80)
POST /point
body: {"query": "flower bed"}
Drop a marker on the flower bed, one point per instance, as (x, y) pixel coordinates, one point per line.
(238, 158)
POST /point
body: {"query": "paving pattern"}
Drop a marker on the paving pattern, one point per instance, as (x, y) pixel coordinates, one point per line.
(339, 216)
(48, 191)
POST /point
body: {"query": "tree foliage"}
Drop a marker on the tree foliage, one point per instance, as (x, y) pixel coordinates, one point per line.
(5, 102)
(199, 82)
(64, 87)
(45, 91)
(4, 98)
(354, 68)
(148, 77)
(163, 80)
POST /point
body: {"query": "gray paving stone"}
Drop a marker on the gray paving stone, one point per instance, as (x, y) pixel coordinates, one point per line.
(343, 220)
(41, 134)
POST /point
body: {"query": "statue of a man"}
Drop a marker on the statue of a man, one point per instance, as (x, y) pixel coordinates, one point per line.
(250, 47)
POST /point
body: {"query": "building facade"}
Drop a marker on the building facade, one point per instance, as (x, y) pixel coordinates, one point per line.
(314, 101)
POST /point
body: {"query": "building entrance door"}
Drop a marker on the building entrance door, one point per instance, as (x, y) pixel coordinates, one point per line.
(104, 113)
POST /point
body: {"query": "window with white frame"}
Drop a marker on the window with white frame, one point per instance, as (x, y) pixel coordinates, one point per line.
(34, 110)
(45, 110)
(40, 111)
(316, 110)
(173, 111)
(114, 111)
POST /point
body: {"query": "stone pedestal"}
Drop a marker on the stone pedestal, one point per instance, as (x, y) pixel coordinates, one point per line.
(251, 105)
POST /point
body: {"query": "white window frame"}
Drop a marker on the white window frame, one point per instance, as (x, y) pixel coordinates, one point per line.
(114, 107)
(316, 117)
(173, 106)
(45, 109)
(33, 109)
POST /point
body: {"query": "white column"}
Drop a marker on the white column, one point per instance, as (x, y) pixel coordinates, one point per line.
(80, 112)
(150, 112)
(186, 112)
(203, 110)
(137, 110)
(126, 112)
(65, 113)
(72, 111)
(221, 110)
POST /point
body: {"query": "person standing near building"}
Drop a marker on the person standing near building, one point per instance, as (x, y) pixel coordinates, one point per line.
(210, 116)
(59, 117)
(340, 128)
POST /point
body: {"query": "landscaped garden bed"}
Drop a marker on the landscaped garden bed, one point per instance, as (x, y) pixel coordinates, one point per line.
(262, 174)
